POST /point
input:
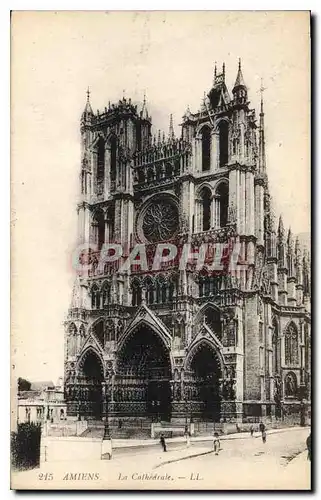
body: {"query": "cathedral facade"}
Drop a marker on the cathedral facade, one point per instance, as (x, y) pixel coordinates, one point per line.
(191, 336)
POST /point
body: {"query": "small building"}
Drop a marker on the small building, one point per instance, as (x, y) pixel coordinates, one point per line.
(44, 401)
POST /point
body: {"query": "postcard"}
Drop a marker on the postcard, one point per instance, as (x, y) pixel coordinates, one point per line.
(161, 285)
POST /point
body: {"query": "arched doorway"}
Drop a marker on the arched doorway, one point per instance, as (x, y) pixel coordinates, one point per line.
(144, 375)
(91, 377)
(205, 372)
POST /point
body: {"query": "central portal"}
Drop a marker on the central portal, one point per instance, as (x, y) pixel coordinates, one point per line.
(143, 376)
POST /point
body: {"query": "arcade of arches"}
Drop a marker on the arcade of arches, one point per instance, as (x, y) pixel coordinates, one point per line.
(144, 384)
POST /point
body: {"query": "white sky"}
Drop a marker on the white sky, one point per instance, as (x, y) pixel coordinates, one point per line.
(55, 56)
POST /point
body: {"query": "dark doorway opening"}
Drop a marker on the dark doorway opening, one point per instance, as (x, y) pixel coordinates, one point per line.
(206, 370)
(144, 375)
(91, 390)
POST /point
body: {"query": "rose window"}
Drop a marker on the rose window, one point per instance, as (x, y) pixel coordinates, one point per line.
(160, 221)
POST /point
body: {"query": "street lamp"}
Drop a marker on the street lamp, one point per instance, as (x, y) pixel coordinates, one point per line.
(106, 448)
(186, 410)
(106, 426)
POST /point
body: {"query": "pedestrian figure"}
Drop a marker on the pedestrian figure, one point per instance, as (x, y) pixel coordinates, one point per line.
(262, 427)
(252, 430)
(309, 447)
(216, 443)
(264, 437)
(162, 441)
(188, 439)
(238, 428)
(187, 436)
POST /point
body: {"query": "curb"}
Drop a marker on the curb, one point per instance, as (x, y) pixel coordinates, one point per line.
(182, 458)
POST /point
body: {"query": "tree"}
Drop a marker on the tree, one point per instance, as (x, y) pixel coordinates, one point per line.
(23, 384)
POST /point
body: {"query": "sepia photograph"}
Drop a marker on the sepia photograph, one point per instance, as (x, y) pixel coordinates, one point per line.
(160, 250)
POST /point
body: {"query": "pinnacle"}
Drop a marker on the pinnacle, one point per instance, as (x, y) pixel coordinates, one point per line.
(239, 82)
(88, 109)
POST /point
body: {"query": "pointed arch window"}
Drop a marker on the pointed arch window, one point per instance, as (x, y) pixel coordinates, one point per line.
(101, 161)
(95, 297)
(223, 143)
(136, 294)
(113, 158)
(161, 296)
(291, 345)
(99, 228)
(222, 205)
(206, 148)
(106, 294)
(209, 285)
(150, 292)
(206, 203)
(172, 289)
(275, 348)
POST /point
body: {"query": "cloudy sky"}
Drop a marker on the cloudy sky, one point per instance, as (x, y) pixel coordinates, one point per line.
(170, 56)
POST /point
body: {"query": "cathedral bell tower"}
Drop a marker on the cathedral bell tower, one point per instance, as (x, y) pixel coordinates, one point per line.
(109, 139)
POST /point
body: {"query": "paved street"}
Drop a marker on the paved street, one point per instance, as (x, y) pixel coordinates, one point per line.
(248, 463)
(243, 463)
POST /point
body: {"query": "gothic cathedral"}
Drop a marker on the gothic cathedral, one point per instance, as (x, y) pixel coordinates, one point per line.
(207, 341)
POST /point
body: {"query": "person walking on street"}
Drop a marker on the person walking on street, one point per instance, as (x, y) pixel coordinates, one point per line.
(188, 438)
(216, 443)
(252, 430)
(262, 427)
(264, 436)
(309, 447)
(163, 443)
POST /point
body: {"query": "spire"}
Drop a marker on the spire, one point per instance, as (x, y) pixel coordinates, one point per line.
(281, 228)
(239, 82)
(297, 250)
(88, 109)
(144, 112)
(290, 240)
(215, 72)
(171, 133)
(272, 215)
(223, 71)
(262, 162)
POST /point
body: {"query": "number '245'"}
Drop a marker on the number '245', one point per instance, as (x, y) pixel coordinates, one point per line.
(48, 476)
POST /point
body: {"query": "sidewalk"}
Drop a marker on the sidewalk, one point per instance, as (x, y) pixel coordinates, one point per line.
(129, 443)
